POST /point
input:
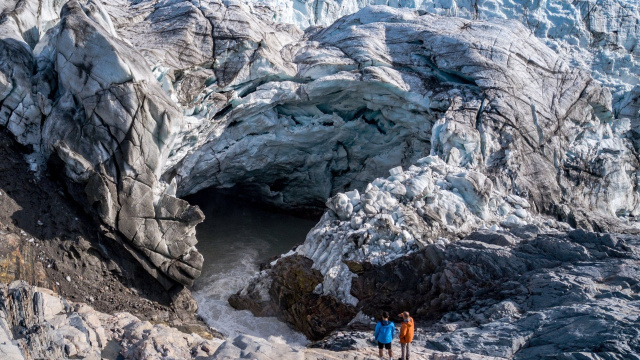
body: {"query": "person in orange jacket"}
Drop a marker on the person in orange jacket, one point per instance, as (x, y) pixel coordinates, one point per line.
(406, 334)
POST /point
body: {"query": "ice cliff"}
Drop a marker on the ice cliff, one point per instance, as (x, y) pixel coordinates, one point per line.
(81, 96)
(297, 116)
(485, 116)
(599, 35)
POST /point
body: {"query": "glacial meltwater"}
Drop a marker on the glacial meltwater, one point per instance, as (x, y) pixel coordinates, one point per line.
(234, 239)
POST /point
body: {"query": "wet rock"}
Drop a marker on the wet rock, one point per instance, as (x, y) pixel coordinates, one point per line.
(255, 296)
(292, 297)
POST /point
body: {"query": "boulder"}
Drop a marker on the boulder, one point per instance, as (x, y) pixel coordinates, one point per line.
(292, 296)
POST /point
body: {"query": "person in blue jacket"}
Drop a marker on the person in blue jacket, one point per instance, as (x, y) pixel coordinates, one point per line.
(385, 330)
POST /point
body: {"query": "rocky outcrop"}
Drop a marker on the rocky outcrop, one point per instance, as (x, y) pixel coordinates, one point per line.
(37, 324)
(291, 296)
(513, 294)
(561, 295)
(249, 347)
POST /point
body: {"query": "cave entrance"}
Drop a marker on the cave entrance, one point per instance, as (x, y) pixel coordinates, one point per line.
(235, 238)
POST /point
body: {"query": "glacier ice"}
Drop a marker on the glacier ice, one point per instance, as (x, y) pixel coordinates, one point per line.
(493, 118)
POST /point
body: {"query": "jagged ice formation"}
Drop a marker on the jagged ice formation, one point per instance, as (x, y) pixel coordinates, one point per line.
(136, 103)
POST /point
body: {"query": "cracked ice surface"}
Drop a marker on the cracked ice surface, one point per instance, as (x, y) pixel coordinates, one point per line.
(148, 100)
(596, 34)
(72, 90)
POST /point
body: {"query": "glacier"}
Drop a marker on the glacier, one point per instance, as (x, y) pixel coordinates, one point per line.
(411, 125)
(217, 95)
(596, 34)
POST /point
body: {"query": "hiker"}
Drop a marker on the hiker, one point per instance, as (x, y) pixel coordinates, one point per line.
(406, 334)
(385, 330)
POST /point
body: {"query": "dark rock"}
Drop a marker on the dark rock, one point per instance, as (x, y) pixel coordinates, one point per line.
(395, 287)
(556, 295)
(356, 267)
(291, 297)
(491, 237)
(344, 341)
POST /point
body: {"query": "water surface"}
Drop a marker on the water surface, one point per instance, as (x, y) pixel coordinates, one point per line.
(234, 239)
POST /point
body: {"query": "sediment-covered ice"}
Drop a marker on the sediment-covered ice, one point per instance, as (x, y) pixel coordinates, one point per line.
(338, 107)
(499, 117)
(79, 95)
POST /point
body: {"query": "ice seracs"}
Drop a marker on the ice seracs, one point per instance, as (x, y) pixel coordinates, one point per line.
(383, 224)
